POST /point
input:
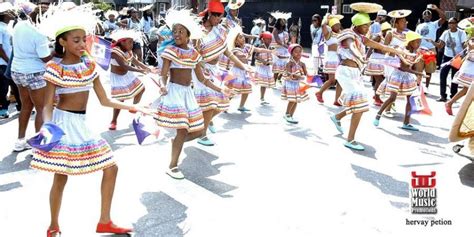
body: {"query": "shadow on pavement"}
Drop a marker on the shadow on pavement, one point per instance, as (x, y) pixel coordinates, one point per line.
(420, 137)
(385, 183)
(304, 133)
(112, 136)
(8, 163)
(164, 216)
(10, 186)
(466, 175)
(197, 167)
(265, 110)
(235, 120)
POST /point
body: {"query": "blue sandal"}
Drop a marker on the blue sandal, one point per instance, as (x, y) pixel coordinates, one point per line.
(205, 141)
(337, 123)
(354, 145)
(410, 127)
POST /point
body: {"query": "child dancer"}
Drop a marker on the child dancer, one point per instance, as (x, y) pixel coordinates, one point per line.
(280, 43)
(295, 72)
(125, 84)
(351, 50)
(210, 47)
(331, 27)
(463, 77)
(241, 84)
(79, 152)
(402, 81)
(376, 70)
(177, 107)
(263, 72)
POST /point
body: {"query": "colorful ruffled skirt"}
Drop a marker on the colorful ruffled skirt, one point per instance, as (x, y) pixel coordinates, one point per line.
(401, 82)
(264, 76)
(330, 62)
(291, 92)
(374, 69)
(207, 98)
(79, 151)
(125, 86)
(465, 75)
(279, 64)
(353, 94)
(241, 84)
(178, 109)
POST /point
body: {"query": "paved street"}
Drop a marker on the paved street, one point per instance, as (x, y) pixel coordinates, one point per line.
(263, 177)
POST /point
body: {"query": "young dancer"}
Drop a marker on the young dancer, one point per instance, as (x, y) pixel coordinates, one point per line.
(263, 71)
(403, 81)
(331, 28)
(210, 47)
(352, 43)
(295, 72)
(376, 70)
(396, 39)
(79, 151)
(280, 43)
(241, 84)
(125, 84)
(463, 77)
(177, 107)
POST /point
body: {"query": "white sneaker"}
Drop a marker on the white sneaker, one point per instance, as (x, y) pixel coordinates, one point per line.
(21, 145)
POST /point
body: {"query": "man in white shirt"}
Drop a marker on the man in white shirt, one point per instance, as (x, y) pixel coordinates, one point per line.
(111, 23)
(453, 41)
(427, 30)
(31, 52)
(376, 27)
(6, 15)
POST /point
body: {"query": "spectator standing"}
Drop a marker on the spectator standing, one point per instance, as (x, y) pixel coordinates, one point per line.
(452, 40)
(317, 37)
(28, 66)
(6, 15)
(427, 30)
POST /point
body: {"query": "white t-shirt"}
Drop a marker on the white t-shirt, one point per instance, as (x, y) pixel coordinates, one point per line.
(375, 28)
(428, 30)
(316, 35)
(5, 42)
(30, 46)
(457, 39)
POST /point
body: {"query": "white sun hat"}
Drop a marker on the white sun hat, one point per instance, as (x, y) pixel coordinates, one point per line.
(186, 19)
(281, 15)
(124, 34)
(58, 20)
(111, 12)
(6, 6)
(235, 4)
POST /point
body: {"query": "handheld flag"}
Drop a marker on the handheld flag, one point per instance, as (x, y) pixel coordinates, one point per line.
(141, 130)
(311, 81)
(100, 50)
(48, 137)
(418, 103)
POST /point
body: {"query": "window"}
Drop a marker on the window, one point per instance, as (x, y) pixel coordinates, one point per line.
(162, 8)
(450, 14)
(346, 9)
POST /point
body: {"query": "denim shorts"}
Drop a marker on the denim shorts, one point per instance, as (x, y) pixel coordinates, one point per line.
(32, 81)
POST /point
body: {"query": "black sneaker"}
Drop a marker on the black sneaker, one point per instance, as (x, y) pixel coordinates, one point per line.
(442, 99)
